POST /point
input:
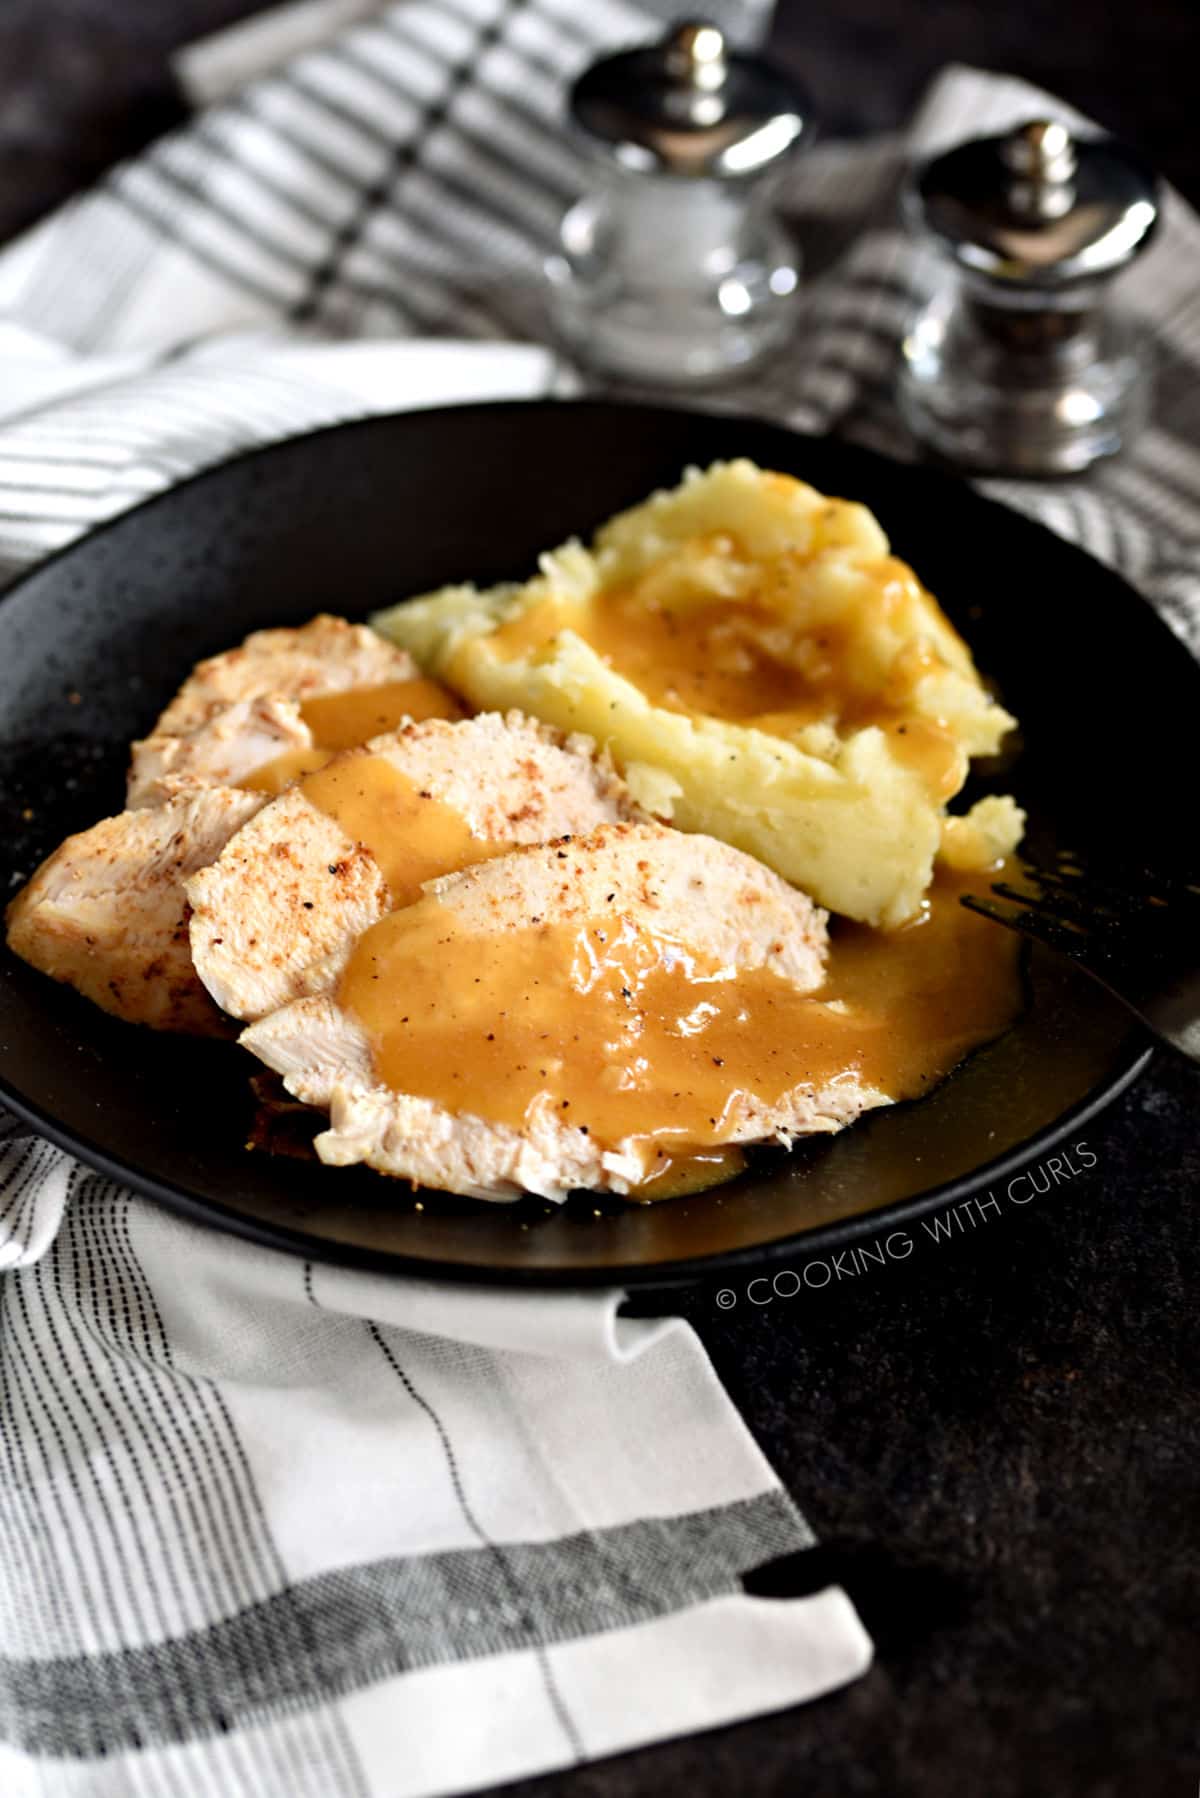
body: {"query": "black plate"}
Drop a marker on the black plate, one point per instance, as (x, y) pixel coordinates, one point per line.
(349, 519)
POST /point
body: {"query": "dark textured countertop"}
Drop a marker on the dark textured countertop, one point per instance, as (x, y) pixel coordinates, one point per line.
(997, 1439)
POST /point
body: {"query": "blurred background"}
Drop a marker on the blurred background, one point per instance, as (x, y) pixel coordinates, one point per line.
(85, 82)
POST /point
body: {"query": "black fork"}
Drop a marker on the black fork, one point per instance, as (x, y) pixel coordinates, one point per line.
(1135, 932)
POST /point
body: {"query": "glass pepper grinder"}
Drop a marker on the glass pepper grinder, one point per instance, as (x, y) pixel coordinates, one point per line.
(672, 269)
(1019, 364)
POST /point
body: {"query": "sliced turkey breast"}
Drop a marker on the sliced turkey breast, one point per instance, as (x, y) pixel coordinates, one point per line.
(640, 910)
(221, 751)
(106, 912)
(419, 1140)
(327, 655)
(238, 712)
(277, 913)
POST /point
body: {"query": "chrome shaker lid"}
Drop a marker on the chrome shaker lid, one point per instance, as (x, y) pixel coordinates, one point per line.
(1038, 207)
(690, 105)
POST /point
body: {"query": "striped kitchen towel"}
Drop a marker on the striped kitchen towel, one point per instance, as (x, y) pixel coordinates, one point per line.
(271, 1528)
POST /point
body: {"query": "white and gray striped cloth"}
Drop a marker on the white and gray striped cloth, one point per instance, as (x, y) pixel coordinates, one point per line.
(270, 1528)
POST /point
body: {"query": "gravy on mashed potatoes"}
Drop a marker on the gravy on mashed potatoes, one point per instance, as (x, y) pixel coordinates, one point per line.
(762, 669)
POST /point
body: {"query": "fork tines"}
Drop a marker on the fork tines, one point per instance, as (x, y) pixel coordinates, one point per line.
(1135, 929)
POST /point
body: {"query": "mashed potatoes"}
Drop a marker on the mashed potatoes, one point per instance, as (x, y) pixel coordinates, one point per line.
(761, 669)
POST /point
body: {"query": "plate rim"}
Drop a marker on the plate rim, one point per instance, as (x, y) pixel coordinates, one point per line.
(689, 1271)
(1131, 1061)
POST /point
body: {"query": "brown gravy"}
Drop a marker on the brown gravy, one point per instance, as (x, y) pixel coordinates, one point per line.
(412, 835)
(741, 663)
(345, 720)
(624, 1035)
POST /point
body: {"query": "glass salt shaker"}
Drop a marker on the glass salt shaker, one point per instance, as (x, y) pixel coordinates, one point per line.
(1018, 363)
(673, 270)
